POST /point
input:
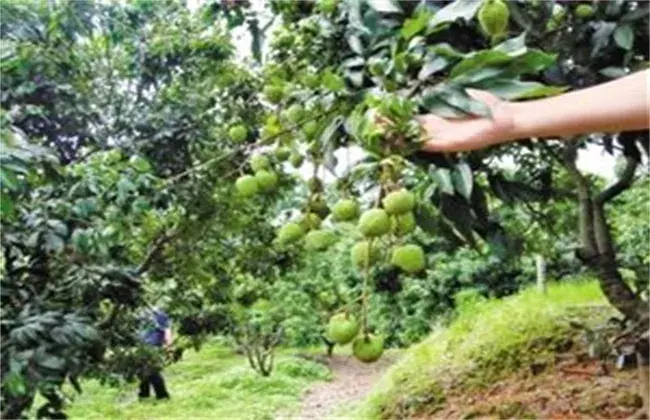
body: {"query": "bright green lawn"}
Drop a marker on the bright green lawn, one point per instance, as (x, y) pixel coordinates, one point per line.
(213, 383)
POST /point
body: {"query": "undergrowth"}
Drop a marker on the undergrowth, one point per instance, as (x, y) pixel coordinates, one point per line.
(213, 383)
(487, 340)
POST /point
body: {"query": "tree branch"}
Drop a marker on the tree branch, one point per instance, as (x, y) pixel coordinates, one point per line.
(620, 185)
(153, 251)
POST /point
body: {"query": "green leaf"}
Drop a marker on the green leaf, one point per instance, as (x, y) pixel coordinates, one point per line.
(6, 206)
(385, 6)
(355, 44)
(514, 47)
(53, 242)
(7, 180)
(624, 37)
(140, 164)
(459, 9)
(327, 139)
(442, 176)
(415, 25)
(462, 179)
(15, 384)
(474, 76)
(425, 218)
(613, 72)
(52, 362)
(451, 102)
(516, 89)
(478, 60)
(445, 50)
(353, 62)
(459, 99)
(332, 82)
(356, 77)
(600, 38)
(532, 62)
(432, 65)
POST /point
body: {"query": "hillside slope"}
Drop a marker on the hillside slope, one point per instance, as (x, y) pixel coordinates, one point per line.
(513, 358)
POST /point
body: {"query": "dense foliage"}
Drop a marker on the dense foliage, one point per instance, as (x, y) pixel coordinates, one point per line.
(143, 164)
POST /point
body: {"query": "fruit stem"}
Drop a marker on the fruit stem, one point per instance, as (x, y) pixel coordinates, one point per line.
(364, 291)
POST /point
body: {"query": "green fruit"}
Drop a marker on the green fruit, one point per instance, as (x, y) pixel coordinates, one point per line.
(269, 133)
(360, 255)
(296, 160)
(259, 163)
(557, 16)
(584, 11)
(295, 113)
(311, 221)
(342, 328)
(493, 17)
(282, 153)
(238, 133)
(374, 222)
(274, 93)
(247, 185)
(399, 202)
(289, 233)
(344, 210)
(266, 180)
(315, 185)
(409, 258)
(404, 223)
(310, 129)
(319, 240)
(368, 349)
(319, 206)
(327, 298)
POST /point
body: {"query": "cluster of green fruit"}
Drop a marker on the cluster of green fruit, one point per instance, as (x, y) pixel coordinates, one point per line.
(343, 328)
(264, 178)
(395, 217)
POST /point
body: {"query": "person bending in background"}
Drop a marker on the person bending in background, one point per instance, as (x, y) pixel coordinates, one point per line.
(157, 332)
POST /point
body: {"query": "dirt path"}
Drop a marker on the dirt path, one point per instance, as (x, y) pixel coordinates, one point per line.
(352, 381)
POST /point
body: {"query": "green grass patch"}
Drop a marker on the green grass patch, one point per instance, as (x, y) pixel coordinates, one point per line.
(213, 383)
(488, 340)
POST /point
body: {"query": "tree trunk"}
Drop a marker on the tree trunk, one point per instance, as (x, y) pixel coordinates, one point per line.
(617, 292)
(540, 265)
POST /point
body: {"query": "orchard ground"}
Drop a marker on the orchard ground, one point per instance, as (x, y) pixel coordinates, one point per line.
(512, 358)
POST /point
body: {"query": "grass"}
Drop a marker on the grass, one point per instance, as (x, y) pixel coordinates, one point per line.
(214, 383)
(488, 340)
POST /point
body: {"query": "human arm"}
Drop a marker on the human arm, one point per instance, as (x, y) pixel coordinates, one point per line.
(619, 105)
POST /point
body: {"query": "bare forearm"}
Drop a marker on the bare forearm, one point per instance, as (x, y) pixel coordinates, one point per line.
(620, 105)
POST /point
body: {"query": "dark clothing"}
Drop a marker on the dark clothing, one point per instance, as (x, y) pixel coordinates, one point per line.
(153, 333)
(156, 381)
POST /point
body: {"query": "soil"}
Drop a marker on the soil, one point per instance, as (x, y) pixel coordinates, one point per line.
(352, 381)
(569, 390)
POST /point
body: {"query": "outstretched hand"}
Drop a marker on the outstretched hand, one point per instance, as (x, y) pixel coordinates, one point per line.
(455, 135)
